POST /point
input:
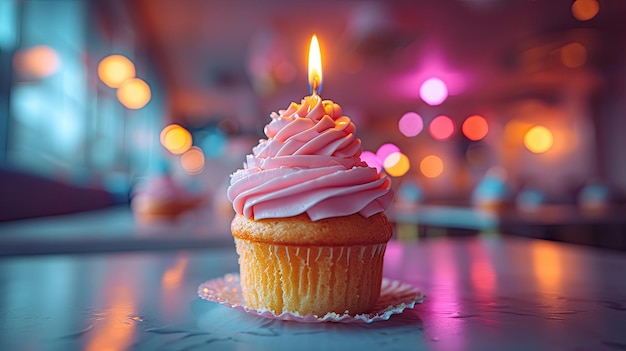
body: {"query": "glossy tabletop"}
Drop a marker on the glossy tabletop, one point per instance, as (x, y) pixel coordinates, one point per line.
(482, 293)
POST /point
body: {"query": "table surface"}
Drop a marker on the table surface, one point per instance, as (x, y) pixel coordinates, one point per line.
(482, 293)
(112, 230)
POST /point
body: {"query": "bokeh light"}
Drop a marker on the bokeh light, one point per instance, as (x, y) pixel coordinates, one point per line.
(134, 93)
(113, 70)
(514, 131)
(573, 55)
(441, 127)
(538, 139)
(37, 62)
(475, 127)
(372, 160)
(385, 150)
(192, 161)
(434, 91)
(584, 10)
(431, 166)
(213, 143)
(176, 139)
(397, 164)
(410, 124)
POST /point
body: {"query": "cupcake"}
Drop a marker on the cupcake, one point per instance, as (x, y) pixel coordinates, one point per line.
(160, 198)
(310, 228)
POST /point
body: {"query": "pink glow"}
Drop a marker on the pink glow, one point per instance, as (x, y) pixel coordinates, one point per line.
(431, 64)
(372, 160)
(410, 124)
(385, 150)
(434, 91)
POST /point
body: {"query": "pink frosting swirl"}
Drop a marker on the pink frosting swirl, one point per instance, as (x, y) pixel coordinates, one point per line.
(309, 163)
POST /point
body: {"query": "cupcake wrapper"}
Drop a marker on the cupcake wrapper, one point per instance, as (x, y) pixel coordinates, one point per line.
(310, 280)
(395, 297)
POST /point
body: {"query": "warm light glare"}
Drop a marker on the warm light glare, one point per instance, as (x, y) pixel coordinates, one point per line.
(573, 55)
(173, 276)
(514, 132)
(37, 62)
(397, 164)
(410, 124)
(118, 297)
(315, 66)
(385, 150)
(538, 139)
(192, 160)
(134, 93)
(441, 127)
(547, 265)
(113, 70)
(584, 10)
(176, 139)
(431, 166)
(172, 284)
(434, 91)
(475, 127)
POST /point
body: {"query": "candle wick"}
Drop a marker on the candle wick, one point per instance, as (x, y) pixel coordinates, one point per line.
(315, 86)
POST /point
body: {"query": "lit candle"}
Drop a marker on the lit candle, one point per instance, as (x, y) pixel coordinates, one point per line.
(315, 67)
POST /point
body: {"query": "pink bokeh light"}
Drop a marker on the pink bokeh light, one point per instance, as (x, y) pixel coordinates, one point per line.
(410, 124)
(385, 150)
(434, 91)
(432, 64)
(441, 127)
(372, 160)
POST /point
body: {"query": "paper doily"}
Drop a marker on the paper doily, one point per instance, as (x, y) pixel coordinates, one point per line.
(395, 297)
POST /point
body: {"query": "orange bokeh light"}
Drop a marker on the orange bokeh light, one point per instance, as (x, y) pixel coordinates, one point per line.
(584, 10)
(176, 139)
(397, 164)
(514, 131)
(113, 70)
(475, 127)
(538, 139)
(573, 55)
(134, 93)
(37, 62)
(192, 160)
(431, 166)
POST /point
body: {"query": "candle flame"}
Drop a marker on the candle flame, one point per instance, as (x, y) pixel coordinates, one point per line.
(315, 66)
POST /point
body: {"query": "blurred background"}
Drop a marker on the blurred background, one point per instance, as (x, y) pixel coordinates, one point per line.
(503, 115)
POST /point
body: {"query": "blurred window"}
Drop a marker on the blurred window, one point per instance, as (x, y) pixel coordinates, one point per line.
(63, 122)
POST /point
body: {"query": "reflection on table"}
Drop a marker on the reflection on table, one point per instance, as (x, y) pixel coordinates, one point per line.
(486, 292)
